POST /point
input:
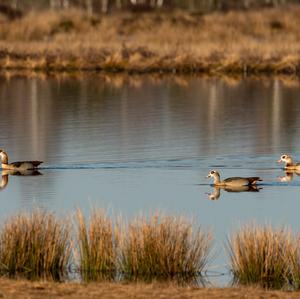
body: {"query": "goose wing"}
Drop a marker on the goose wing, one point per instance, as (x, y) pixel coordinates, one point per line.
(243, 181)
(233, 179)
(20, 163)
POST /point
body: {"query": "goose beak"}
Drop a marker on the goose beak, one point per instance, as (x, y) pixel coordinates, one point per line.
(279, 161)
(208, 176)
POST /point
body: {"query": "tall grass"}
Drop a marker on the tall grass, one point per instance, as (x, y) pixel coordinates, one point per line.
(164, 247)
(294, 263)
(252, 42)
(98, 242)
(161, 247)
(34, 244)
(261, 255)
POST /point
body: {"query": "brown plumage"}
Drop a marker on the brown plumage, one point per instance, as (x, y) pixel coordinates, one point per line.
(233, 181)
(21, 165)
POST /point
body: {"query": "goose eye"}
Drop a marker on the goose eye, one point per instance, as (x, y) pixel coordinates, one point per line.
(212, 172)
(283, 157)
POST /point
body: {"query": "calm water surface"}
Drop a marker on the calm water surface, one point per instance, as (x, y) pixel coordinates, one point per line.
(132, 144)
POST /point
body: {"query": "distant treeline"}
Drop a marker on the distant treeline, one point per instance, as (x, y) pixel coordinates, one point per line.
(104, 6)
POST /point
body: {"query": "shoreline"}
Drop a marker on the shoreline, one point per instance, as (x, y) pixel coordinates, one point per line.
(256, 42)
(48, 63)
(40, 289)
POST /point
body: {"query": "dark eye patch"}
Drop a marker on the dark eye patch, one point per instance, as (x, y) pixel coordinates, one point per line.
(284, 156)
(212, 172)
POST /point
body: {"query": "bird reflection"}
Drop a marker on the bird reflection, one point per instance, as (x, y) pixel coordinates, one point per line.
(5, 173)
(289, 176)
(217, 190)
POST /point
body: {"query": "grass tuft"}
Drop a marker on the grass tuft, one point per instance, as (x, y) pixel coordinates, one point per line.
(163, 247)
(294, 264)
(98, 243)
(261, 255)
(34, 244)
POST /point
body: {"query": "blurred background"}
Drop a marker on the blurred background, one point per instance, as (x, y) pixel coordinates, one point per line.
(15, 8)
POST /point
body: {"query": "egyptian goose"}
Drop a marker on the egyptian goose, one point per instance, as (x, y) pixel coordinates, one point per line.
(19, 166)
(234, 181)
(289, 163)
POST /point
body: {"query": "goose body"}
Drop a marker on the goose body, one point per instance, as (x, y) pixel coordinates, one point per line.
(18, 166)
(233, 181)
(289, 163)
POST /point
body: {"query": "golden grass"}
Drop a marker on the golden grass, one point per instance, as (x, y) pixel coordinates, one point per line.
(164, 247)
(34, 244)
(294, 264)
(98, 242)
(38, 245)
(253, 42)
(262, 255)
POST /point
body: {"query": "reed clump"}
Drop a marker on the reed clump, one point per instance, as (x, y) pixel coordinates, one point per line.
(161, 247)
(34, 244)
(98, 242)
(262, 255)
(294, 264)
(164, 247)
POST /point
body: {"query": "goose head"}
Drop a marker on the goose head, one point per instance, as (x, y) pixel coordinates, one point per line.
(286, 159)
(213, 174)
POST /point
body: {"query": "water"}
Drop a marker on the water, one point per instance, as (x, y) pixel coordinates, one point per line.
(145, 143)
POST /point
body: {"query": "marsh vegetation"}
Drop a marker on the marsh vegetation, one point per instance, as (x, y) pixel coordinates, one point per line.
(34, 245)
(157, 247)
(264, 41)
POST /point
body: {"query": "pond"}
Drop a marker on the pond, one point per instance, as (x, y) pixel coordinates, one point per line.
(138, 144)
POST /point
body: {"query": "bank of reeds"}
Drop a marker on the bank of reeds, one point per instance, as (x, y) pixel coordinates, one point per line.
(265, 41)
(164, 247)
(264, 256)
(34, 244)
(98, 244)
(161, 247)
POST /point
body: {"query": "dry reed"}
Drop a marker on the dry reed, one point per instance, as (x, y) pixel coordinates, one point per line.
(261, 255)
(98, 242)
(294, 264)
(34, 244)
(264, 41)
(164, 247)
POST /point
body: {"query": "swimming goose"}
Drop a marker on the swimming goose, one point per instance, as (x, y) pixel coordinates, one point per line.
(289, 163)
(20, 166)
(234, 181)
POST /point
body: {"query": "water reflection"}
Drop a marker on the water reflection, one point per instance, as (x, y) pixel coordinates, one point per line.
(217, 190)
(5, 173)
(141, 117)
(289, 176)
